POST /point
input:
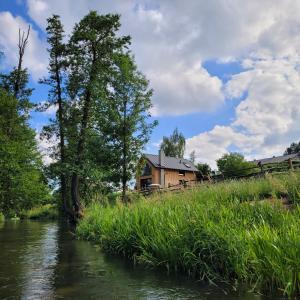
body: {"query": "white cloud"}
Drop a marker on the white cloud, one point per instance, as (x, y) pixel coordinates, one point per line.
(45, 146)
(35, 58)
(170, 40)
(266, 121)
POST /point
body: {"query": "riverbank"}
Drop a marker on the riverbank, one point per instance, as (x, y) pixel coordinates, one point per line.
(44, 212)
(222, 233)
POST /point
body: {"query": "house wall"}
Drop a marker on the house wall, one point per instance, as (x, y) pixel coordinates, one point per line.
(172, 177)
(154, 176)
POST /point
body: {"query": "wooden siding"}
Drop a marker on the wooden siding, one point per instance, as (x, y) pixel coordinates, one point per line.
(172, 177)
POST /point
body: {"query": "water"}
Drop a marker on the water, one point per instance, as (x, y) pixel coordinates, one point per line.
(42, 260)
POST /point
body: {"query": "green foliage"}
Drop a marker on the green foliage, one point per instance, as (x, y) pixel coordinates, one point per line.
(293, 148)
(103, 106)
(211, 233)
(174, 145)
(22, 184)
(8, 81)
(125, 118)
(2, 217)
(46, 211)
(204, 169)
(235, 165)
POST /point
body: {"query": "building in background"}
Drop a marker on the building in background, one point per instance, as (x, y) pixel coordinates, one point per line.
(165, 171)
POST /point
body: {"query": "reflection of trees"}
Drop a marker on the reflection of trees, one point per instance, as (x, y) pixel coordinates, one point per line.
(39, 261)
(16, 238)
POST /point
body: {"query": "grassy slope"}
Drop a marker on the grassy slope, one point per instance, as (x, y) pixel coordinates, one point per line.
(213, 233)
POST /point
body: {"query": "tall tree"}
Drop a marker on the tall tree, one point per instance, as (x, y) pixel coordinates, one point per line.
(22, 183)
(293, 148)
(126, 119)
(16, 81)
(174, 145)
(91, 49)
(57, 64)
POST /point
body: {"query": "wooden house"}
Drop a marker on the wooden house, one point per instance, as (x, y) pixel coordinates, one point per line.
(165, 171)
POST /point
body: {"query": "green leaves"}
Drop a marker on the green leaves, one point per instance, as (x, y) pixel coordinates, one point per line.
(21, 179)
(174, 145)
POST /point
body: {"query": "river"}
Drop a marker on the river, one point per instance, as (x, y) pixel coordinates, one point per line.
(42, 260)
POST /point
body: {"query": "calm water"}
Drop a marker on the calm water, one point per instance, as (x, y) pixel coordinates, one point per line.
(43, 261)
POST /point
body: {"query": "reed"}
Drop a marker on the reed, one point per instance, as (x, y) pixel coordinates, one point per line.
(219, 233)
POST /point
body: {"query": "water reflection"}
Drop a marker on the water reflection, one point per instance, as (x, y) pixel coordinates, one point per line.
(39, 261)
(44, 261)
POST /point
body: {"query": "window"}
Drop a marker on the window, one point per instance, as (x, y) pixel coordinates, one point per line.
(145, 183)
(181, 172)
(147, 170)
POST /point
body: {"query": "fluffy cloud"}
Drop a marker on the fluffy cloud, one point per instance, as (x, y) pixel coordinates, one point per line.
(35, 58)
(266, 120)
(170, 40)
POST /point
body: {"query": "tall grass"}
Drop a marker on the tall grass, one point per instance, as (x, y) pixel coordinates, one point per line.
(46, 211)
(220, 233)
(2, 218)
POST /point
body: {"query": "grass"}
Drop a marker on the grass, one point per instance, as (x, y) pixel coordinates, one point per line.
(219, 233)
(2, 218)
(46, 211)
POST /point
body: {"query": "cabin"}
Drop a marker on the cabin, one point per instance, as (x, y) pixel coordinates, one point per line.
(165, 171)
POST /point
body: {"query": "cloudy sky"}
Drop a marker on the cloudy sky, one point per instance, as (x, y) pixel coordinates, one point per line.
(225, 72)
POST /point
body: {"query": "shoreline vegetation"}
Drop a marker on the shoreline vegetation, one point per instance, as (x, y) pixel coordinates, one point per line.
(41, 212)
(237, 232)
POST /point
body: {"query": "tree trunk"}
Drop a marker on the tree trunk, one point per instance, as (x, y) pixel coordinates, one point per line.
(63, 184)
(80, 149)
(124, 167)
(21, 45)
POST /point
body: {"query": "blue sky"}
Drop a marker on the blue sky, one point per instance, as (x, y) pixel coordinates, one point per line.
(226, 75)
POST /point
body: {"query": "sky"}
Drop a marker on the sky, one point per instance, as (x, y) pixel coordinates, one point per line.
(225, 72)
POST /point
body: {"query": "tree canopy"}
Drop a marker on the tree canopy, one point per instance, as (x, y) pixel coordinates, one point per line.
(234, 165)
(293, 148)
(174, 145)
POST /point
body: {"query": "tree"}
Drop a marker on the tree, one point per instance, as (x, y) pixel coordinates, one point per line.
(293, 148)
(57, 63)
(174, 145)
(16, 81)
(204, 169)
(128, 104)
(92, 46)
(234, 165)
(193, 156)
(22, 184)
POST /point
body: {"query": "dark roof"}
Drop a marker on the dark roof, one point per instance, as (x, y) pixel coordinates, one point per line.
(172, 163)
(277, 159)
